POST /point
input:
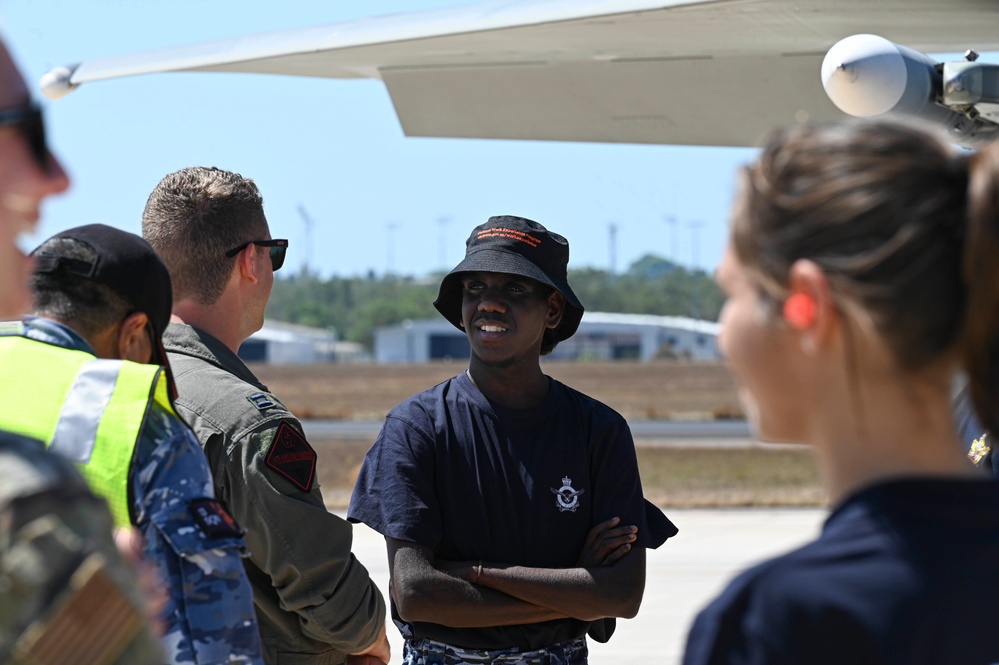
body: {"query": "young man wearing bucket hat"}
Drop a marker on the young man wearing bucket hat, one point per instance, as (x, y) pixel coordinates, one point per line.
(511, 504)
(87, 376)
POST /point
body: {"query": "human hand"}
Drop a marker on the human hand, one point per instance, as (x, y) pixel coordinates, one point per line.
(157, 596)
(465, 570)
(606, 543)
(378, 653)
(364, 660)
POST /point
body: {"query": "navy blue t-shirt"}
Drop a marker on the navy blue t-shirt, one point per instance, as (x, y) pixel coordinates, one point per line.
(472, 480)
(904, 572)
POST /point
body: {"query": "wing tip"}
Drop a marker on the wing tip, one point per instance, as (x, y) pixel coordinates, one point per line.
(57, 82)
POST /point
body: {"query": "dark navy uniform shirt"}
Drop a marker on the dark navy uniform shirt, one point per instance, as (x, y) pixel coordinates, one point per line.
(903, 573)
(472, 480)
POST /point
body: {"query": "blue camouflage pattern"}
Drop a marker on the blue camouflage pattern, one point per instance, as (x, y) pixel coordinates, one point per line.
(429, 652)
(210, 616)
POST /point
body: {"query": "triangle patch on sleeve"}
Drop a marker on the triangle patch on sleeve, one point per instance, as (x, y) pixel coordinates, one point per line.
(292, 456)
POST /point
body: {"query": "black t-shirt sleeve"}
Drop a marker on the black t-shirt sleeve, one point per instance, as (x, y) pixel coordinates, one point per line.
(395, 489)
(620, 487)
(737, 629)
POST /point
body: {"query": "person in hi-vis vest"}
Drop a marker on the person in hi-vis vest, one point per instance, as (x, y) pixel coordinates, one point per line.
(77, 376)
(57, 552)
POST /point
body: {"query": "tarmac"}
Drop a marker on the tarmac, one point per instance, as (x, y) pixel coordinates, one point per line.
(683, 575)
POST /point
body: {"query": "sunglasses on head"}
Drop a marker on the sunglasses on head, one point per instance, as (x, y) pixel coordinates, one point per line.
(279, 247)
(28, 119)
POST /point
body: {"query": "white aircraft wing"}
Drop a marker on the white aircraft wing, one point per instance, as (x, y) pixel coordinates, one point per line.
(714, 72)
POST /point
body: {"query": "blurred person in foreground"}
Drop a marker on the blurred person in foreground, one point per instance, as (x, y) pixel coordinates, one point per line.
(87, 375)
(66, 593)
(511, 504)
(860, 276)
(315, 602)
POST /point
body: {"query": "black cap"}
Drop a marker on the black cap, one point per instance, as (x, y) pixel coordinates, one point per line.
(126, 264)
(515, 246)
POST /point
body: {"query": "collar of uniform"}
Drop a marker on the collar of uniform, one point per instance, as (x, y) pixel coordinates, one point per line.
(55, 333)
(190, 341)
(531, 414)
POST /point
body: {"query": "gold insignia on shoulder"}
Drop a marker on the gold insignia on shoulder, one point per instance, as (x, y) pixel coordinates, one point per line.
(979, 449)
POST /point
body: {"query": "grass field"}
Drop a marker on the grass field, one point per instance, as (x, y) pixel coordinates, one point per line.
(639, 391)
(694, 476)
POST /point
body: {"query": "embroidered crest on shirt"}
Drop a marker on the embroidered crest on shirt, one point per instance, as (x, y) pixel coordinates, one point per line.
(292, 456)
(566, 498)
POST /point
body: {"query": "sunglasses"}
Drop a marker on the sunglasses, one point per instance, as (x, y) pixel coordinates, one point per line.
(28, 119)
(279, 247)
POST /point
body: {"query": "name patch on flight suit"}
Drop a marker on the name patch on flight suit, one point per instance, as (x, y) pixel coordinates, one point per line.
(214, 519)
(292, 456)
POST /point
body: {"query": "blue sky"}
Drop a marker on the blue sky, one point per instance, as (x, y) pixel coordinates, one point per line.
(335, 149)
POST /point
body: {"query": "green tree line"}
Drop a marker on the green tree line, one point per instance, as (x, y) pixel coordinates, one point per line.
(355, 306)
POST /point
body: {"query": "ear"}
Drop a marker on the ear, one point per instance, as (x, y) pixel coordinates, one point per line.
(556, 307)
(133, 340)
(810, 309)
(246, 264)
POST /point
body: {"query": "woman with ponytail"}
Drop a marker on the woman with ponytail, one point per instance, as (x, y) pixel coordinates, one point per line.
(862, 274)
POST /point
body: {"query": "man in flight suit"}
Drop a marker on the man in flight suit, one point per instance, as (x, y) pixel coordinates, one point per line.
(77, 377)
(57, 553)
(315, 602)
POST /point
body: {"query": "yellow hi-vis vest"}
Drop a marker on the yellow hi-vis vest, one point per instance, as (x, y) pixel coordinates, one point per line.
(86, 409)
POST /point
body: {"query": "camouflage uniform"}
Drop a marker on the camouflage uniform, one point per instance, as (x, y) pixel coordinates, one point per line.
(53, 532)
(315, 601)
(189, 538)
(210, 617)
(429, 652)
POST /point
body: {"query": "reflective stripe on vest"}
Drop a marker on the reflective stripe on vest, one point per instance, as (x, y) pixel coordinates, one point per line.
(76, 430)
(87, 409)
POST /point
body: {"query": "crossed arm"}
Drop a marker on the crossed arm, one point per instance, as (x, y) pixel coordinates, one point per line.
(607, 581)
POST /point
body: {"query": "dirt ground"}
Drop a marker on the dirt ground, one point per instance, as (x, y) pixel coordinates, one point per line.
(675, 477)
(671, 477)
(639, 391)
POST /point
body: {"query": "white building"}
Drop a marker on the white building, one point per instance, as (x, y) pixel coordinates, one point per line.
(608, 336)
(420, 341)
(601, 336)
(280, 343)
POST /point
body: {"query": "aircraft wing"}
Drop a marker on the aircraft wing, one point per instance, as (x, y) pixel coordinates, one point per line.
(713, 72)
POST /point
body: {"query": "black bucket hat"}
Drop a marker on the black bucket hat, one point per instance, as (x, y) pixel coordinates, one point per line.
(127, 265)
(515, 246)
